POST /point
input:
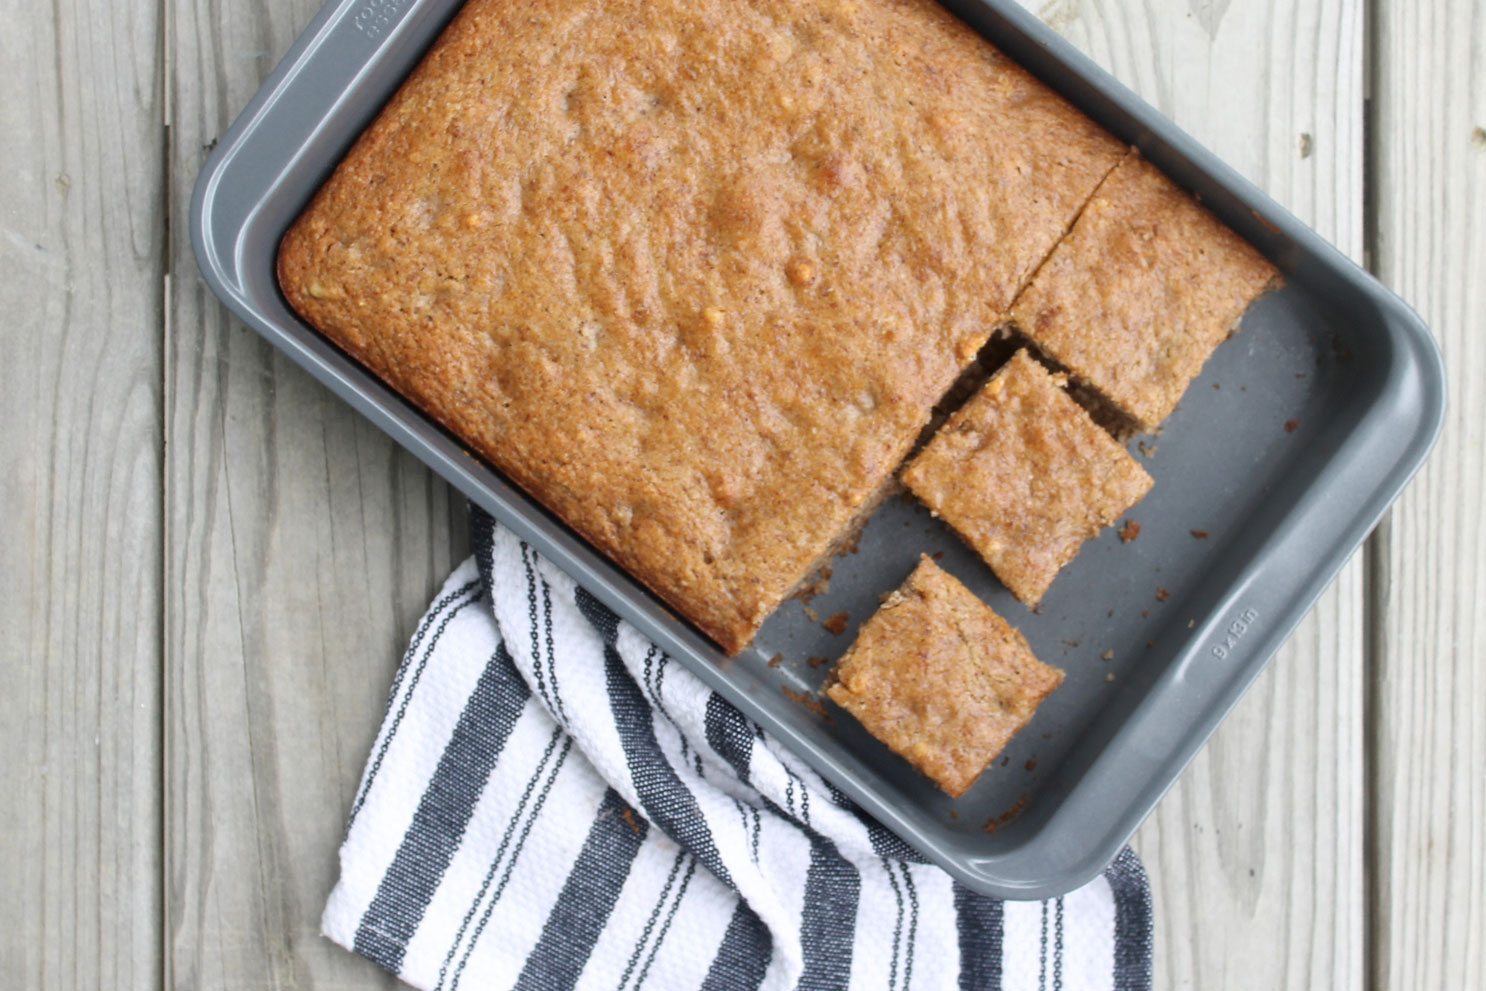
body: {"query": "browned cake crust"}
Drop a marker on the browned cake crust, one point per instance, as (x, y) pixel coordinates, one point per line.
(939, 677)
(693, 272)
(1141, 292)
(1025, 476)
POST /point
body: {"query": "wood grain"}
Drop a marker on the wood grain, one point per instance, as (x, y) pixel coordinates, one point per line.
(297, 545)
(1256, 854)
(1429, 809)
(81, 263)
(301, 547)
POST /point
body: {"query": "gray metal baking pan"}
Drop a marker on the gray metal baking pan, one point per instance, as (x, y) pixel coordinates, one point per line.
(1282, 457)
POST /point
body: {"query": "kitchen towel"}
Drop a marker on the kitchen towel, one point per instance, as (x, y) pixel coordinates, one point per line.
(553, 803)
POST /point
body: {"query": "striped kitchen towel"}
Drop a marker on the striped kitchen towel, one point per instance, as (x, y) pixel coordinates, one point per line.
(552, 803)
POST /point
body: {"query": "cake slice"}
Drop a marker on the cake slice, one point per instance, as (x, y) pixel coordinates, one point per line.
(1141, 292)
(1025, 476)
(940, 678)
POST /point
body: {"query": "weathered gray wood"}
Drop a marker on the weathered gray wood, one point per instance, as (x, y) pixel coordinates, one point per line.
(1429, 601)
(81, 262)
(302, 546)
(1256, 855)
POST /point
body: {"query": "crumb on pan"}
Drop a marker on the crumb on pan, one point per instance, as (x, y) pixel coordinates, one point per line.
(996, 822)
(807, 699)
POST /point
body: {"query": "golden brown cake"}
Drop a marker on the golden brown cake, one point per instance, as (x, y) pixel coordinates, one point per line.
(939, 677)
(1142, 291)
(693, 272)
(1025, 476)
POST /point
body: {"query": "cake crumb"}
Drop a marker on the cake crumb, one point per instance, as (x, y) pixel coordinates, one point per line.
(628, 815)
(1149, 450)
(996, 822)
(1129, 531)
(837, 623)
(1291, 426)
(806, 699)
(812, 615)
(1109, 677)
(1108, 655)
(1162, 594)
(937, 556)
(776, 660)
(1200, 534)
(1149, 644)
(1191, 623)
(1031, 765)
(818, 584)
(816, 662)
(1145, 614)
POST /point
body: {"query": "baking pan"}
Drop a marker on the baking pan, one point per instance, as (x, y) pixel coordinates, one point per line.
(1283, 455)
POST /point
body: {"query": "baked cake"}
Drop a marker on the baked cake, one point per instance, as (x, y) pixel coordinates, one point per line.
(1141, 292)
(1025, 476)
(691, 272)
(940, 678)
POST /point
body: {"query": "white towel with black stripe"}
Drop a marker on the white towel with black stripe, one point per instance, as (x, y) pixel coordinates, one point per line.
(553, 804)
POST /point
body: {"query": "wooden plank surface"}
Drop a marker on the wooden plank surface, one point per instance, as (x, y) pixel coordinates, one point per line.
(301, 547)
(1429, 602)
(1256, 856)
(81, 262)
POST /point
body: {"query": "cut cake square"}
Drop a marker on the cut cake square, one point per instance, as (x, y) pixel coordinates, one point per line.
(1025, 476)
(1141, 292)
(940, 678)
